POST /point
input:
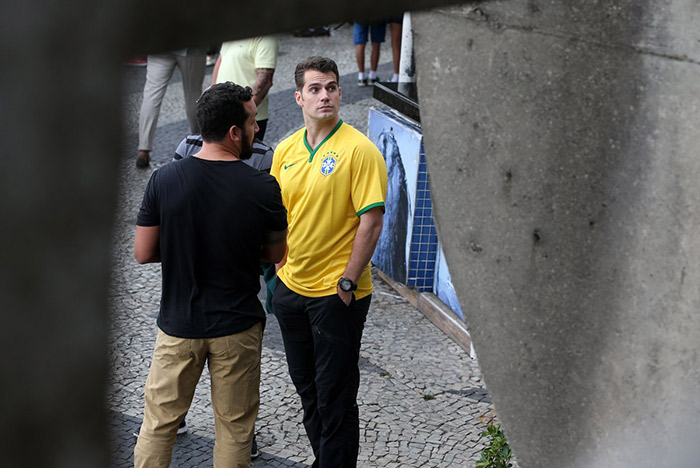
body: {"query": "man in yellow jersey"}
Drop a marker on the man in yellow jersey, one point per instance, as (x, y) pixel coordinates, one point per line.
(333, 181)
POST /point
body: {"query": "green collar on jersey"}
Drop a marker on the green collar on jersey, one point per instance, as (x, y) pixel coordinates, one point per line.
(312, 152)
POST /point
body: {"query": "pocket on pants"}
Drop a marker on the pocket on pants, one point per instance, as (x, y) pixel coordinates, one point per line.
(171, 347)
(347, 306)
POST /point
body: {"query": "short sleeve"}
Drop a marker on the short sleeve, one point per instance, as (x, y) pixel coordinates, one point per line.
(369, 178)
(276, 214)
(265, 55)
(149, 213)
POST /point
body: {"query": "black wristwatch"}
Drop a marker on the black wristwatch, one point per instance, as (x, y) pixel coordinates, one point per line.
(346, 284)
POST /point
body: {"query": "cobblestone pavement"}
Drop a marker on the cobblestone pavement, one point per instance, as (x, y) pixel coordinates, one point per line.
(421, 396)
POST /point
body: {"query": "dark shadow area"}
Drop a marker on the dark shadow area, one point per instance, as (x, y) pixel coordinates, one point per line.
(369, 366)
(476, 394)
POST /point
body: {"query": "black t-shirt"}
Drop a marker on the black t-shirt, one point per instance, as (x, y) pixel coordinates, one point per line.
(213, 216)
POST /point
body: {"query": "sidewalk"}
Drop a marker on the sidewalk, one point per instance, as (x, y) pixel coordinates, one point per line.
(421, 395)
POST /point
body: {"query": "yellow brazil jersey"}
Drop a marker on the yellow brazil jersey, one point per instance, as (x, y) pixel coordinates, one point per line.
(325, 190)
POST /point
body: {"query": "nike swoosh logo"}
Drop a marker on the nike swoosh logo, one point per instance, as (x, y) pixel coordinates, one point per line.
(287, 166)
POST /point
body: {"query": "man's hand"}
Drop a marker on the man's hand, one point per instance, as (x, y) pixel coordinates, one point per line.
(345, 296)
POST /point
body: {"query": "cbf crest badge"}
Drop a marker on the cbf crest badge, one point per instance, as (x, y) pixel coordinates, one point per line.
(328, 163)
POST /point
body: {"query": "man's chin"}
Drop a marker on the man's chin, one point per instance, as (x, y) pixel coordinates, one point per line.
(325, 115)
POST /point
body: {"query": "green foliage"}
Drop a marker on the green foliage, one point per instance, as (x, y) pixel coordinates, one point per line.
(428, 396)
(497, 454)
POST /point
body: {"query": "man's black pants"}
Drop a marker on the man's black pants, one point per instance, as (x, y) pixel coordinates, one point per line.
(322, 341)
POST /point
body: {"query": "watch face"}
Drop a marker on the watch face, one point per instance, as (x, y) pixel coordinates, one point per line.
(345, 284)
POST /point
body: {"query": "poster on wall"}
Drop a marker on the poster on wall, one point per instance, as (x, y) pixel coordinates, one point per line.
(399, 140)
(444, 289)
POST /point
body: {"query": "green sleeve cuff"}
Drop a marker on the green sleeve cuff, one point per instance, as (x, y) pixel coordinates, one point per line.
(367, 208)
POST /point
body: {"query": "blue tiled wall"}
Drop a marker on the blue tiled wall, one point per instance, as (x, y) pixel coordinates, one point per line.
(424, 240)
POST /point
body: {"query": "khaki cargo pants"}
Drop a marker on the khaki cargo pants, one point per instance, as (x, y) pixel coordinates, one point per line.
(234, 367)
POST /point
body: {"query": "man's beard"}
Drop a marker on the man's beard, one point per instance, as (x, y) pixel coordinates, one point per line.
(246, 148)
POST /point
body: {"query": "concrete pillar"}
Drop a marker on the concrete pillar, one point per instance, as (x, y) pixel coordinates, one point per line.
(563, 143)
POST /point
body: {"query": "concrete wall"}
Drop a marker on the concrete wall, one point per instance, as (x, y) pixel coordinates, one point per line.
(564, 157)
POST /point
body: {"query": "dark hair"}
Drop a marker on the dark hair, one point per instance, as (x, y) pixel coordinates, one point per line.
(322, 64)
(220, 107)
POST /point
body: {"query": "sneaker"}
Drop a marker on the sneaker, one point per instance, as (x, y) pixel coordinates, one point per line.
(182, 428)
(254, 452)
(137, 62)
(362, 82)
(313, 32)
(304, 32)
(322, 31)
(371, 81)
(142, 159)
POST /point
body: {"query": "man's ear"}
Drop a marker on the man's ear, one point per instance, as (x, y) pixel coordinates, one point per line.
(234, 133)
(298, 97)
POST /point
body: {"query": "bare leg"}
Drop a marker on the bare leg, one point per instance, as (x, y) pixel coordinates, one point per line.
(374, 56)
(396, 44)
(360, 55)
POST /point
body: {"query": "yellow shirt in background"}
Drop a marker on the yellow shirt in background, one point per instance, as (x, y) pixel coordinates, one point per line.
(239, 59)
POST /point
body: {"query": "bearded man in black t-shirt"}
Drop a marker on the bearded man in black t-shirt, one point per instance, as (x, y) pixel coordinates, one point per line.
(209, 219)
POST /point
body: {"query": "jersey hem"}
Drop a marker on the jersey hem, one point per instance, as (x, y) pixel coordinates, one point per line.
(359, 294)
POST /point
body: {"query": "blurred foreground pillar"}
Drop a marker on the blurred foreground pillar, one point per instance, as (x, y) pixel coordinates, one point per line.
(61, 97)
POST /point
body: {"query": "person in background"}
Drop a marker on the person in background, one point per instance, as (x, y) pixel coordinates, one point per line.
(395, 29)
(377, 32)
(159, 69)
(250, 62)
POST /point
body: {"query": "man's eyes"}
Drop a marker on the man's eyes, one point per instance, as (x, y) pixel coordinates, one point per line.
(331, 89)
